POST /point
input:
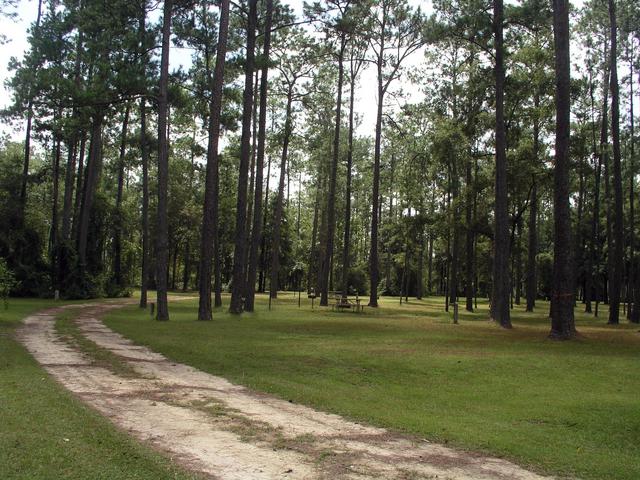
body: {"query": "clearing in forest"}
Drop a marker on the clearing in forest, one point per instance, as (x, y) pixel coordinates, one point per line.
(224, 430)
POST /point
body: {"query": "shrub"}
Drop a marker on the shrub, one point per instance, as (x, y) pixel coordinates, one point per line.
(7, 281)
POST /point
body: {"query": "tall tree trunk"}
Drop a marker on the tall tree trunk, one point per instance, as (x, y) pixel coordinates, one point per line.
(77, 201)
(262, 279)
(54, 238)
(469, 237)
(67, 212)
(430, 264)
(252, 166)
(562, 297)
(314, 238)
(603, 162)
(256, 237)
(144, 154)
(500, 296)
(277, 217)
(618, 229)
(93, 168)
(634, 310)
(186, 272)
(27, 140)
(591, 255)
(117, 238)
(67, 206)
(239, 254)
(518, 262)
(331, 208)
(608, 278)
(455, 253)
(209, 244)
(347, 207)
(174, 268)
(162, 229)
(532, 248)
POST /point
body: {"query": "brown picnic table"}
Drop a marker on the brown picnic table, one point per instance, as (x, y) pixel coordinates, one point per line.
(341, 303)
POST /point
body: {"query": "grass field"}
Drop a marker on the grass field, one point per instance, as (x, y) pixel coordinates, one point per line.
(45, 433)
(569, 408)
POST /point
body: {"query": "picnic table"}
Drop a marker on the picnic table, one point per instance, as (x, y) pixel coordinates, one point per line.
(343, 303)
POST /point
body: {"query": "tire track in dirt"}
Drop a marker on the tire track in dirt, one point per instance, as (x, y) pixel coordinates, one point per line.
(229, 432)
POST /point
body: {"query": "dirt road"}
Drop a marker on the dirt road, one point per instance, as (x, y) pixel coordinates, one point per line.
(228, 432)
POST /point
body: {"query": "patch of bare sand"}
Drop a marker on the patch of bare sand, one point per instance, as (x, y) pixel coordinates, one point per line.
(227, 431)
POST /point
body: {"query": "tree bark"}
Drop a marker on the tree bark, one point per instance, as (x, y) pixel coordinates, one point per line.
(562, 298)
(455, 253)
(162, 229)
(347, 207)
(262, 280)
(277, 217)
(469, 237)
(532, 249)
(634, 308)
(93, 168)
(331, 208)
(256, 236)
(27, 140)
(54, 237)
(618, 228)
(314, 238)
(500, 296)
(589, 283)
(117, 234)
(239, 254)
(209, 244)
(144, 154)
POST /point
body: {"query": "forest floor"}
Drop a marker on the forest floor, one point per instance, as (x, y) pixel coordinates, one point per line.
(445, 400)
(227, 431)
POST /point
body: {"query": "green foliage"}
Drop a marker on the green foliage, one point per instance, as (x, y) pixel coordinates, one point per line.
(21, 239)
(7, 281)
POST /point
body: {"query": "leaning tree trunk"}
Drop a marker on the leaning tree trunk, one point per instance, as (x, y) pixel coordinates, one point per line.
(162, 229)
(501, 285)
(239, 254)
(618, 230)
(256, 236)
(562, 297)
(209, 245)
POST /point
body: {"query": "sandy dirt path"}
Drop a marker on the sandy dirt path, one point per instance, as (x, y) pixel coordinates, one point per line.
(229, 432)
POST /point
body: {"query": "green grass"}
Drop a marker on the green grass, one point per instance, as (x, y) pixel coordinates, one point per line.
(568, 408)
(67, 329)
(45, 433)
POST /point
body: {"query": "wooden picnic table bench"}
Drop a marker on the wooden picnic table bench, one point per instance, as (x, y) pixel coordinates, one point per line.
(344, 303)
